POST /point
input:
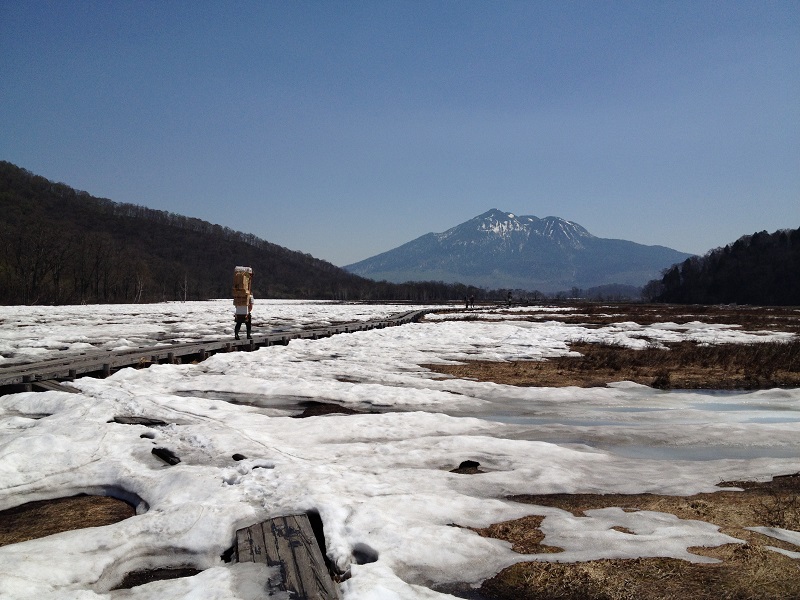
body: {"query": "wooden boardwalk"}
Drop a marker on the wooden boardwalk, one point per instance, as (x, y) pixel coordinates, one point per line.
(45, 374)
(288, 543)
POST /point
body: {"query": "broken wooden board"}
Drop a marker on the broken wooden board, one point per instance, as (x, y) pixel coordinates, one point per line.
(288, 542)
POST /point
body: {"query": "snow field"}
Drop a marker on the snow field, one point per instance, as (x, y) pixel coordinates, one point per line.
(380, 481)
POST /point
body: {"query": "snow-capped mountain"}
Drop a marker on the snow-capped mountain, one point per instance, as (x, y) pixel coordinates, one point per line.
(497, 227)
(502, 250)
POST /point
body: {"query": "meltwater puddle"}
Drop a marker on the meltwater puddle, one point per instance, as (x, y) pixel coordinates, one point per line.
(702, 452)
(669, 426)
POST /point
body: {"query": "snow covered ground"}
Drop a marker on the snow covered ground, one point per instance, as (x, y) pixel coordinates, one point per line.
(381, 482)
(31, 332)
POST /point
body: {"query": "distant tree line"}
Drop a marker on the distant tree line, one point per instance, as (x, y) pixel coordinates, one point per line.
(763, 269)
(63, 246)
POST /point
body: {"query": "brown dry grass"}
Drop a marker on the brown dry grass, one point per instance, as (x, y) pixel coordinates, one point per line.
(747, 571)
(751, 318)
(47, 517)
(684, 365)
(753, 576)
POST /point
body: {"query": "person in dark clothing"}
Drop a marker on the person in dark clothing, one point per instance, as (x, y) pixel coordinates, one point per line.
(244, 315)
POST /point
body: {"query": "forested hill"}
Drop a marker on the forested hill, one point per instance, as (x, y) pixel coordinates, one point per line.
(59, 245)
(762, 269)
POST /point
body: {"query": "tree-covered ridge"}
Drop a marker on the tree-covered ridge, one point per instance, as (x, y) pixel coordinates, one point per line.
(763, 268)
(59, 245)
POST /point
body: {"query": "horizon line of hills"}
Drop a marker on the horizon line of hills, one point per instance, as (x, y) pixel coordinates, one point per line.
(63, 246)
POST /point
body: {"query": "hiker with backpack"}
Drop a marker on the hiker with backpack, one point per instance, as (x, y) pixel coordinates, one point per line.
(243, 299)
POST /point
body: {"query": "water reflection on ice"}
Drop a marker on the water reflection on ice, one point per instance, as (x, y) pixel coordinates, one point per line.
(678, 425)
(703, 452)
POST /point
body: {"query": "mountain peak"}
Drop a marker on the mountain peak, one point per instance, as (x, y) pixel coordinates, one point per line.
(503, 250)
(507, 225)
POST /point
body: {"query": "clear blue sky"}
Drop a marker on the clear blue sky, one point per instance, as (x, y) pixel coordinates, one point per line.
(345, 128)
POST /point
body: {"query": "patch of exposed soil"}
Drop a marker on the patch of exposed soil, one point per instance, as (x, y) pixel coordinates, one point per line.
(747, 571)
(47, 517)
(524, 535)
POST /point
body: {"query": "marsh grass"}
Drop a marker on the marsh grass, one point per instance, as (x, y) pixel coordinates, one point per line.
(47, 517)
(752, 318)
(745, 571)
(684, 365)
(755, 575)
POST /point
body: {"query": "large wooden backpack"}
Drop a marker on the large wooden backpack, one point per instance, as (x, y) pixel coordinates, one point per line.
(242, 285)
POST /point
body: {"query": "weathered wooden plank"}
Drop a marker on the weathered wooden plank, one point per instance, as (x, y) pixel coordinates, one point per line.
(308, 569)
(244, 545)
(288, 542)
(285, 540)
(250, 545)
(271, 554)
(54, 386)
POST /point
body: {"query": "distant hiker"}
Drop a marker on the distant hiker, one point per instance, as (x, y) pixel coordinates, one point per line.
(509, 298)
(244, 315)
(472, 301)
(243, 299)
(466, 302)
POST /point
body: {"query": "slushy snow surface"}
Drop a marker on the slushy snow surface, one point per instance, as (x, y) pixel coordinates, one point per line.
(381, 481)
